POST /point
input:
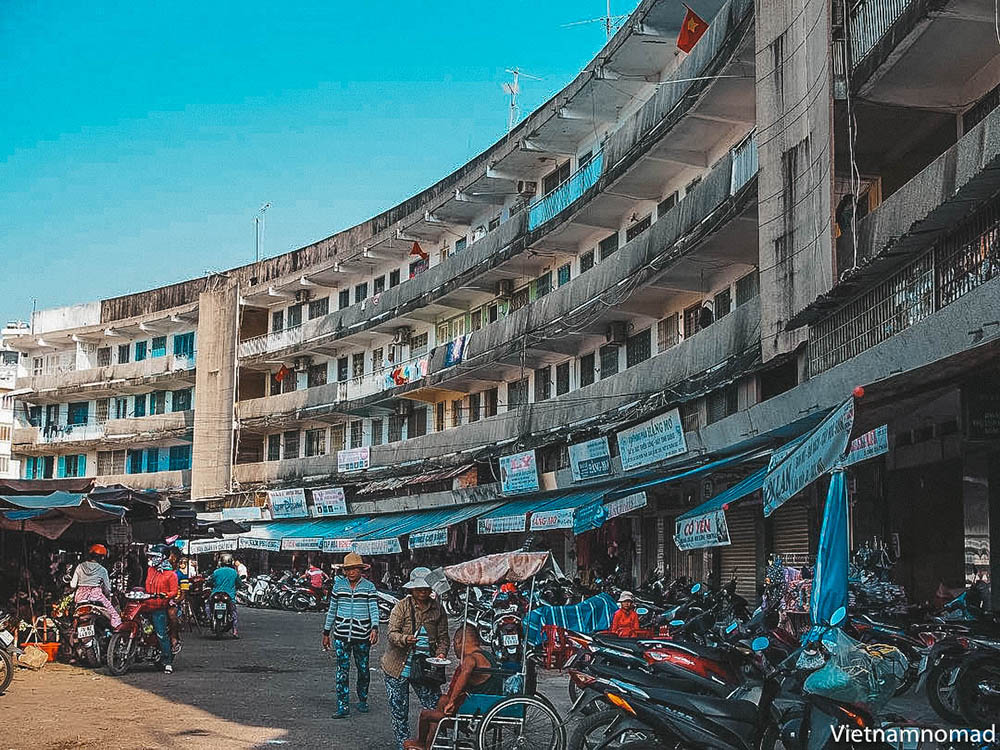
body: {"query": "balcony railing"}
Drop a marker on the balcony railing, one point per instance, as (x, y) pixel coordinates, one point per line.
(870, 20)
(744, 164)
(96, 377)
(272, 341)
(559, 199)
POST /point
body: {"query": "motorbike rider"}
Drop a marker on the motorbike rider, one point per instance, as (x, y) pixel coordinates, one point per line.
(625, 623)
(161, 582)
(173, 611)
(224, 579)
(316, 579)
(90, 583)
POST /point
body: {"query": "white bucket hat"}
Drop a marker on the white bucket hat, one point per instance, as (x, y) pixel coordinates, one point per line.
(626, 596)
(418, 579)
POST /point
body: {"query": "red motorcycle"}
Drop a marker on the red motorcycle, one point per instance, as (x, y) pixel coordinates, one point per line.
(135, 640)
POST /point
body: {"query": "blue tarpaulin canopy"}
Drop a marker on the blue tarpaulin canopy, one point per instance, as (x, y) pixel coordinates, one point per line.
(50, 515)
(323, 528)
(512, 515)
(747, 487)
(58, 499)
(394, 525)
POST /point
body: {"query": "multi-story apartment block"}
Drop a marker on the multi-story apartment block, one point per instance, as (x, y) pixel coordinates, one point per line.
(805, 203)
(8, 378)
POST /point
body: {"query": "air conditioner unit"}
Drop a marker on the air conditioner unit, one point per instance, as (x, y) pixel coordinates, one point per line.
(505, 288)
(302, 295)
(403, 335)
(403, 407)
(617, 332)
(302, 363)
(527, 187)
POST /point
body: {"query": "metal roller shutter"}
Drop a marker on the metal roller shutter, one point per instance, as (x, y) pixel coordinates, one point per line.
(740, 556)
(790, 524)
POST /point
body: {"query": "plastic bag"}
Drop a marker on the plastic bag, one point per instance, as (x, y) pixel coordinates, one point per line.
(856, 673)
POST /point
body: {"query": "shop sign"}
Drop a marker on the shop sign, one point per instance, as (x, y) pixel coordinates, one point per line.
(435, 538)
(655, 440)
(337, 545)
(590, 459)
(201, 546)
(119, 534)
(982, 410)
(329, 502)
(590, 516)
(378, 546)
(301, 543)
(626, 504)
(250, 542)
(552, 519)
(817, 454)
(502, 524)
(241, 514)
(707, 530)
(354, 459)
(871, 444)
(288, 503)
(518, 473)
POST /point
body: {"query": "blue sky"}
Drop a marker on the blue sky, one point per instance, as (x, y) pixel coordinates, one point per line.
(138, 139)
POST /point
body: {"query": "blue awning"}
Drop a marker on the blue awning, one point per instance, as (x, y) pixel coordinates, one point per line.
(314, 528)
(740, 490)
(558, 511)
(395, 525)
(58, 499)
(711, 466)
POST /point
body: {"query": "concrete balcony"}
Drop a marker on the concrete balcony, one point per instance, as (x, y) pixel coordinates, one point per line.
(98, 382)
(104, 435)
(551, 205)
(156, 480)
(172, 423)
(288, 470)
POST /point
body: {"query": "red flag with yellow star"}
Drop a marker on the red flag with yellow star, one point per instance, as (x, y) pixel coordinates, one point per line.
(691, 31)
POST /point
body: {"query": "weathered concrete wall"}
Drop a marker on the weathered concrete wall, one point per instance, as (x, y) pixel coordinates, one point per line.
(795, 147)
(61, 318)
(215, 387)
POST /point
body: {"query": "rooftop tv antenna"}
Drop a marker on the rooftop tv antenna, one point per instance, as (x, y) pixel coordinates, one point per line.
(610, 22)
(258, 227)
(513, 89)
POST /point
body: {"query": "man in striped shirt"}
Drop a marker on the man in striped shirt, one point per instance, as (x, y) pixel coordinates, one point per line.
(353, 620)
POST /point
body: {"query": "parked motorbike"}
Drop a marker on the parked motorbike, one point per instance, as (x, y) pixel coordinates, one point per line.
(134, 641)
(8, 651)
(222, 619)
(89, 633)
(386, 601)
(977, 688)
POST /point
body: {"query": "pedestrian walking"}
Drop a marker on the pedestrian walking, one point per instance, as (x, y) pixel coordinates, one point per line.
(418, 627)
(352, 618)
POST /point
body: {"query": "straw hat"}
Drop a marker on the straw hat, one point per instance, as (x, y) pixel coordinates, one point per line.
(353, 560)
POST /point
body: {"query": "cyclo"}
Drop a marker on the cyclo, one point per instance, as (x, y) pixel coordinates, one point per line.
(521, 717)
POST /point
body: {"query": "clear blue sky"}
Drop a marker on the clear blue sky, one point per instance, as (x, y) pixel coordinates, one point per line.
(138, 138)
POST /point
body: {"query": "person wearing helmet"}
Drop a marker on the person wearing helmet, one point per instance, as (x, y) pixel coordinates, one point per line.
(225, 579)
(161, 582)
(90, 582)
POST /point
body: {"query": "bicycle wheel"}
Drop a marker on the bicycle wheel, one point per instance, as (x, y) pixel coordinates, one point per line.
(522, 723)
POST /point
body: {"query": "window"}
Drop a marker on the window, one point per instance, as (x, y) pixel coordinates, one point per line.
(443, 331)
(555, 178)
(78, 413)
(361, 292)
(723, 303)
(276, 385)
(152, 459)
(319, 307)
(417, 267)
(418, 345)
(638, 227)
(474, 405)
(110, 463)
(377, 355)
(494, 223)
(357, 427)
(609, 360)
(584, 159)
(104, 356)
(337, 438)
(158, 402)
(343, 299)
(139, 408)
(517, 393)
(295, 316)
(74, 465)
(180, 458)
(665, 205)
(184, 344)
(460, 244)
(587, 369)
(692, 320)
(342, 369)
(135, 462)
(608, 246)
(562, 378)
(746, 288)
(316, 375)
(638, 348)
(377, 432)
(36, 366)
(274, 447)
(396, 422)
(586, 261)
(393, 278)
(493, 313)
(357, 364)
(159, 346)
(562, 275)
(666, 333)
(722, 403)
(278, 320)
(456, 412)
(416, 425)
(543, 284)
(123, 353)
(181, 400)
(316, 442)
(520, 298)
(291, 444)
(379, 285)
(439, 417)
(543, 384)
(121, 408)
(476, 319)
(492, 402)
(140, 351)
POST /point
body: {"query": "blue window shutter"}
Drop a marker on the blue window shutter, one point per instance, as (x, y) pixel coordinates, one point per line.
(61, 472)
(29, 468)
(81, 465)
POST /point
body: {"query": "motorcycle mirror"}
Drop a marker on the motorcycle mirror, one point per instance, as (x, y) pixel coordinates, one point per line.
(732, 626)
(676, 623)
(838, 616)
(760, 644)
(642, 611)
(696, 588)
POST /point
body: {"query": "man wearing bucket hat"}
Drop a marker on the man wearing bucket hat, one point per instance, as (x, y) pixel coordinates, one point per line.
(353, 620)
(418, 627)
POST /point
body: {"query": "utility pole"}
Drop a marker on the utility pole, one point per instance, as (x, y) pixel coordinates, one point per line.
(258, 226)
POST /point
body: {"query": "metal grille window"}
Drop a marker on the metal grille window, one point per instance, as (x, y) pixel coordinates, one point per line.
(319, 308)
(104, 356)
(562, 378)
(110, 462)
(520, 298)
(638, 348)
(361, 291)
(638, 227)
(543, 384)
(343, 299)
(692, 320)
(492, 402)
(342, 365)
(439, 417)
(555, 178)
(747, 288)
(393, 278)
(418, 345)
(123, 353)
(356, 431)
(357, 364)
(378, 285)
(274, 447)
(416, 425)
(474, 403)
(476, 319)
(543, 284)
(180, 400)
(294, 316)
(517, 393)
(722, 403)
(665, 205)
(337, 438)
(970, 257)
(317, 375)
(587, 369)
(278, 320)
(723, 303)
(563, 274)
(456, 412)
(377, 355)
(587, 261)
(666, 333)
(608, 246)
(291, 444)
(377, 432)
(103, 406)
(396, 422)
(609, 360)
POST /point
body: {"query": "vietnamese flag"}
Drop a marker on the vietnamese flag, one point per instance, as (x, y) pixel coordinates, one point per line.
(417, 250)
(282, 373)
(692, 30)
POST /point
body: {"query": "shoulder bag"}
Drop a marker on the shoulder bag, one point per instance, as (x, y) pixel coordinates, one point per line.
(422, 673)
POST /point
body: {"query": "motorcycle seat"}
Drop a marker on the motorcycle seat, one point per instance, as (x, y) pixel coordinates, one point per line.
(711, 707)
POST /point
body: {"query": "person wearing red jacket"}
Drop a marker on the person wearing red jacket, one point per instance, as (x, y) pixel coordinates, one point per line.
(161, 582)
(625, 623)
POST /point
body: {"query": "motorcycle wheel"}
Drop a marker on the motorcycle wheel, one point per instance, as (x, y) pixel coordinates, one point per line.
(596, 729)
(979, 709)
(452, 606)
(596, 705)
(120, 654)
(383, 612)
(300, 603)
(92, 655)
(6, 670)
(940, 695)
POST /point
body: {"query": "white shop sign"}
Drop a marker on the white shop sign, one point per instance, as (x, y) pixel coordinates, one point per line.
(329, 502)
(435, 538)
(552, 519)
(288, 503)
(626, 504)
(241, 514)
(707, 530)
(201, 546)
(337, 545)
(502, 524)
(354, 459)
(590, 459)
(655, 440)
(871, 444)
(301, 543)
(378, 547)
(249, 542)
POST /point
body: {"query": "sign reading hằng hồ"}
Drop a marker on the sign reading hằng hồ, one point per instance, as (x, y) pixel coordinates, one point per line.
(502, 524)
(552, 519)
(590, 459)
(288, 503)
(707, 530)
(434, 538)
(301, 543)
(654, 440)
